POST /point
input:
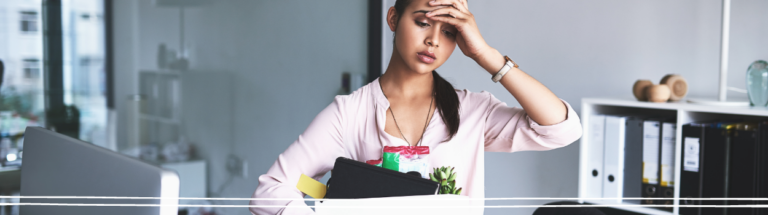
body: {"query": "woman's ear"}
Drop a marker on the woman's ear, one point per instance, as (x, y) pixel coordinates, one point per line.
(392, 19)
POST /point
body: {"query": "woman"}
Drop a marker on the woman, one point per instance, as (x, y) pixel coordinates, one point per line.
(412, 105)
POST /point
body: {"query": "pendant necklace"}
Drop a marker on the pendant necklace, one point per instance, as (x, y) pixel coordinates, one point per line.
(398, 127)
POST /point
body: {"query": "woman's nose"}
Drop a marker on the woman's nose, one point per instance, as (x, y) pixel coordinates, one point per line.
(433, 39)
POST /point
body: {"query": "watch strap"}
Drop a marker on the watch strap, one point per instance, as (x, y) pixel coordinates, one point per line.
(503, 71)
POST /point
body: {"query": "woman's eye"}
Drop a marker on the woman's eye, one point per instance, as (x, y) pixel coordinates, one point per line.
(450, 34)
(422, 24)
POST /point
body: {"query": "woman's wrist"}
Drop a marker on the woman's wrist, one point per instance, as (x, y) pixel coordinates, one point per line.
(491, 60)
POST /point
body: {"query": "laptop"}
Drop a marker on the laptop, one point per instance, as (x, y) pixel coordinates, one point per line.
(58, 165)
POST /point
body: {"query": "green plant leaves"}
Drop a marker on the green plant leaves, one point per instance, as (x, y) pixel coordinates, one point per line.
(447, 179)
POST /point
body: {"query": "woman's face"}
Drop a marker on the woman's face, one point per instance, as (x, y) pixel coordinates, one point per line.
(423, 44)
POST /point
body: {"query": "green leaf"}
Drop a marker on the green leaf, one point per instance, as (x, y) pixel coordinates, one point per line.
(452, 177)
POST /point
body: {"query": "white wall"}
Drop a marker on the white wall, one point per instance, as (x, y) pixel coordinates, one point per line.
(285, 59)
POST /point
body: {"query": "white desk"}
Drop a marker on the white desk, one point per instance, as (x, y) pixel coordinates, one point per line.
(416, 205)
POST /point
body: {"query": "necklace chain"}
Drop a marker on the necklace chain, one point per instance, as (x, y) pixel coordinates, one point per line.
(429, 110)
(425, 124)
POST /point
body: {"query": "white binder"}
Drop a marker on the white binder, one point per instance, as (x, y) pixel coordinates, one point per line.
(596, 134)
(613, 160)
(651, 152)
(667, 154)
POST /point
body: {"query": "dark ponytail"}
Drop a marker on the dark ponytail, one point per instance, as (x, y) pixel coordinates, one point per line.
(448, 103)
(445, 95)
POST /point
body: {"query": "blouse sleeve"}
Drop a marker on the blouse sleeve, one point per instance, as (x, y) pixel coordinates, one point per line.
(312, 154)
(510, 129)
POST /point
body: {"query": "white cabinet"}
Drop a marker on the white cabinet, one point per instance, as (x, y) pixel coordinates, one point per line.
(684, 113)
(192, 178)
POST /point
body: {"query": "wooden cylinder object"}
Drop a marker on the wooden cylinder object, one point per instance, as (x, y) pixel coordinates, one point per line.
(658, 93)
(677, 85)
(639, 89)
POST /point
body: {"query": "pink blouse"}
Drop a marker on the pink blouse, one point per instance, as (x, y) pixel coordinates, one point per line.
(353, 127)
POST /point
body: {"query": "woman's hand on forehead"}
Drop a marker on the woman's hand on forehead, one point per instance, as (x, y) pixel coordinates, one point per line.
(460, 5)
(456, 13)
(453, 12)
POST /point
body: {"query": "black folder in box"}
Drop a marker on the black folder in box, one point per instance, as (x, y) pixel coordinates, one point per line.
(352, 179)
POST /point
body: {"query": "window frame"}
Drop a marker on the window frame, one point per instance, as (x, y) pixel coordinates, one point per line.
(29, 18)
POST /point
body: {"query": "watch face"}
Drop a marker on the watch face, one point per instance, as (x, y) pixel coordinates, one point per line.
(511, 62)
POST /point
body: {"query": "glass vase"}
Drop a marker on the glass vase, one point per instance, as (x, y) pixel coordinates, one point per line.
(757, 83)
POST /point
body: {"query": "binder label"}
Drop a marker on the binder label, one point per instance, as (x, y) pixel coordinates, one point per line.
(691, 157)
(651, 152)
(667, 154)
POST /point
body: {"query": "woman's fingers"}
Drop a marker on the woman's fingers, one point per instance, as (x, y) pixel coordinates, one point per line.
(450, 20)
(446, 12)
(460, 5)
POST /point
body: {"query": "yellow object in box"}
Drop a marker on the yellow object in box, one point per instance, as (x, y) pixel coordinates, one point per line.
(311, 187)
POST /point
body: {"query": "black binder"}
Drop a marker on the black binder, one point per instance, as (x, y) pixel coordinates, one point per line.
(715, 168)
(762, 174)
(352, 179)
(690, 175)
(742, 181)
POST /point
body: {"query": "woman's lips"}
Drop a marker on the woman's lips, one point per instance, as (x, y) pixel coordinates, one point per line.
(426, 57)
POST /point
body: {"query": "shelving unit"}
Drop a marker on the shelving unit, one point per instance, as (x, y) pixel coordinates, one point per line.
(684, 113)
(162, 112)
(197, 105)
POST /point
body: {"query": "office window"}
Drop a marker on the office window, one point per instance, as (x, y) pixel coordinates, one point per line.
(29, 21)
(22, 91)
(84, 67)
(31, 68)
